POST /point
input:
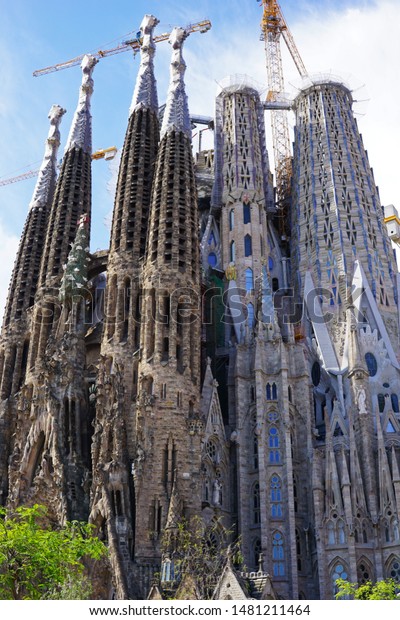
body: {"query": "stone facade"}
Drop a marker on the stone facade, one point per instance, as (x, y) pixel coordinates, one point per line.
(204, 366)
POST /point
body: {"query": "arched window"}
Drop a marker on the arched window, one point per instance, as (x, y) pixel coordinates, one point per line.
(274, 392)
(268, 392)
(372, 364)
(381, 402)
(331, 533)
(256, 504)
(339, 571)
(246, 214)
(231, 219)
(273, 444)
(276, 497)
(232, 252)
(249, 280)
(341, 532)
(363, 573)
(395, 403)
(278, 555)
(290, 397)
(248, 246)
(394, 570)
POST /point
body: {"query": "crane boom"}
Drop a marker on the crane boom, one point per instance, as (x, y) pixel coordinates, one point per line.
(106, 154)
(133, 44)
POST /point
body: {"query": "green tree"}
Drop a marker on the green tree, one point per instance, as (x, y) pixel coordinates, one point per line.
(41, 561)
(385, 590)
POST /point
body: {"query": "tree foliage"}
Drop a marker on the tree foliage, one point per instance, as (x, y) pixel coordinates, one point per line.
(385, 590)
(199, 554)
(40, 561)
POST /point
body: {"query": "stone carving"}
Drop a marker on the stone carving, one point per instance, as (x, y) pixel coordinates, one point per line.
(48, 169)
(145, 94)
(176, 115)
(361, 401)
(80, 135)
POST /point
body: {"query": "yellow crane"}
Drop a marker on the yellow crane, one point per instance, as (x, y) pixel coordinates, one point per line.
(131, 44)
(273, 25)
(106, 154)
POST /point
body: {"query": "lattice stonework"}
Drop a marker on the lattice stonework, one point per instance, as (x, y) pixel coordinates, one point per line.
(337, 213)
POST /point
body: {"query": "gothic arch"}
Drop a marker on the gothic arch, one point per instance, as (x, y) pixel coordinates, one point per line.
(392, 567)
(365, 570)
(337, 569)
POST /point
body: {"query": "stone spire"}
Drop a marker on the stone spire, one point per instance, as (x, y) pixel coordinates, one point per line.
(45, 184)
(25, 275)
(176, 115)
(73, 191)
(80, 134)
(135, 177)
(145, 93)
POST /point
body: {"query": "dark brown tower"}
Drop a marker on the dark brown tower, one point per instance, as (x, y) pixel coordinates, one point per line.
(168, 425)
(72, 198)
(113, 449)
(15, 331)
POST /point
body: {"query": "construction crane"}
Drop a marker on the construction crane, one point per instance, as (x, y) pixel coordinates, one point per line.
(273, 25)
(106, 154)
(131, 44)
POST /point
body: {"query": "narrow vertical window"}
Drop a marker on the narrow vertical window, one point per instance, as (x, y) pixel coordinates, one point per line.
(278, 555)
(276, 497)
(273, 444)
(246, 214)
(231, 219)
(248, 246)
(232, 252)
(255, 451)
(250, 315)
(256, 504)
(249, 280)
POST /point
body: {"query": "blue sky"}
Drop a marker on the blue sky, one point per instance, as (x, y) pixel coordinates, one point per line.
(357, 39)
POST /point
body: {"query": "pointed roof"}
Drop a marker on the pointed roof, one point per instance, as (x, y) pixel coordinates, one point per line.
(80, 134)
(145, 93)
(176, 115)
(175, 508)
(207, 391)
(230, 585)
(45, 184)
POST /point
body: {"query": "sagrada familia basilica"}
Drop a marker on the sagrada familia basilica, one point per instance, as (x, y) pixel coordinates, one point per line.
(210, 364)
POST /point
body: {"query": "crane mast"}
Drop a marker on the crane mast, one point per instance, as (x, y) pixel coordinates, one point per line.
(273, 25)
